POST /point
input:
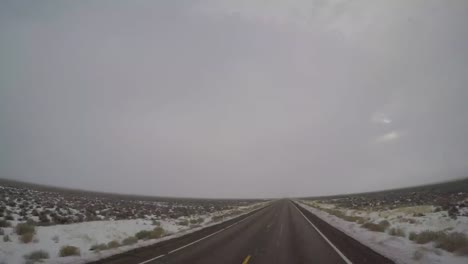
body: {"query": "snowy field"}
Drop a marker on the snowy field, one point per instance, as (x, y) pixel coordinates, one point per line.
(98, 226)
(395, 231)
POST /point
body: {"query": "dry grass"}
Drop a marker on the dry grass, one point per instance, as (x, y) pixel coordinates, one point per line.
(98, 247)
(196, 221)
(183, 222)
(426, 236)
(380, 227)
(157, 232)
(129, 241)
(22, 229)
(66, 251)
(451, 242)
(27, 237)
(396, 231)
(217, 218)
(25, 232)
(143, 234)
(342, 215)
(36, 256)
(113, 244)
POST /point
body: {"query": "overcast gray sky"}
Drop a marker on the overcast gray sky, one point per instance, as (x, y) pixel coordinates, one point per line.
(235, 98)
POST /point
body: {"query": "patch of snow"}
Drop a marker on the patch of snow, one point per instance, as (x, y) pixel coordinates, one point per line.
(399, 249)
(84, 235)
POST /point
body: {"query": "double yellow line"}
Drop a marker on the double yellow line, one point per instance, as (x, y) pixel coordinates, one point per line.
(246, 260)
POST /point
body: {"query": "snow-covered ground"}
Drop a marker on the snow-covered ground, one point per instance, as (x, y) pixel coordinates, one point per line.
(408, 219)
(84, 235)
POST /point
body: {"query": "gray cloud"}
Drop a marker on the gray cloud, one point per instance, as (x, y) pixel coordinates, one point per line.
(233, 98)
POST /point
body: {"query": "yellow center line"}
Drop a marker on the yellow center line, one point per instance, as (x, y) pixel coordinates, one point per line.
(246, 260)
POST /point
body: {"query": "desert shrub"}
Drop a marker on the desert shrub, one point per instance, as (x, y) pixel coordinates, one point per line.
(156, 223)
(6, 238)
(43, 219)
(452, 241)
(30, 221)
(22, 229)
(143, 234)
(66, 251)
(374, 227)
(195, 221)
(384, 223)
(36, 256)
(412, 236)
(157, 232)
(183, 222)
(428, 236)
(350, 218)
(26, 237)
(235, 212)
(342, 215)
(130, 240)
(113, 244)
(2, 232)
(361, 221)
(217, 218)
(98, 247)
(396, 231)
(4, 223)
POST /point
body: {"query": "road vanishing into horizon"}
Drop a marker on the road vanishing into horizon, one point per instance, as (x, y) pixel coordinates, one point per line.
(282, 232)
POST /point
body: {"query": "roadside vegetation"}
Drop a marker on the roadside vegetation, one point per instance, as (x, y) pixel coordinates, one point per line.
(25, 232)
(452, 242)
(113, 244)
(217, 218)
(67, 251)
(129, 241)
(338, 213)
(157, 232)
(99, 247)
(376, 227)
(36, 256)
(396, 231)
(183, 222)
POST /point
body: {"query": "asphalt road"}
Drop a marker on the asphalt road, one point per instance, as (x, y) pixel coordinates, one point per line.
(279, 233)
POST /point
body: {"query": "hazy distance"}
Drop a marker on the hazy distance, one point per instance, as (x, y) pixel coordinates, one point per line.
(233, 98)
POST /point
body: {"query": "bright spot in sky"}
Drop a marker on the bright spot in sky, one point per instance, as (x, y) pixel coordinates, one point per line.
(391, 136)
(380, 118)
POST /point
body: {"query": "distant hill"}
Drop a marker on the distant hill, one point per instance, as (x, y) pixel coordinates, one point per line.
(448, 187)
(79, 192)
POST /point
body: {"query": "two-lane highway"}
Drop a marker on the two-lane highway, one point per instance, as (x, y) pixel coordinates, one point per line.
(279, 233)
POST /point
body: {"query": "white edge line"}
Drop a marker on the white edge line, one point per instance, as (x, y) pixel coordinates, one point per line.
(203, 238)
(324, 237)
